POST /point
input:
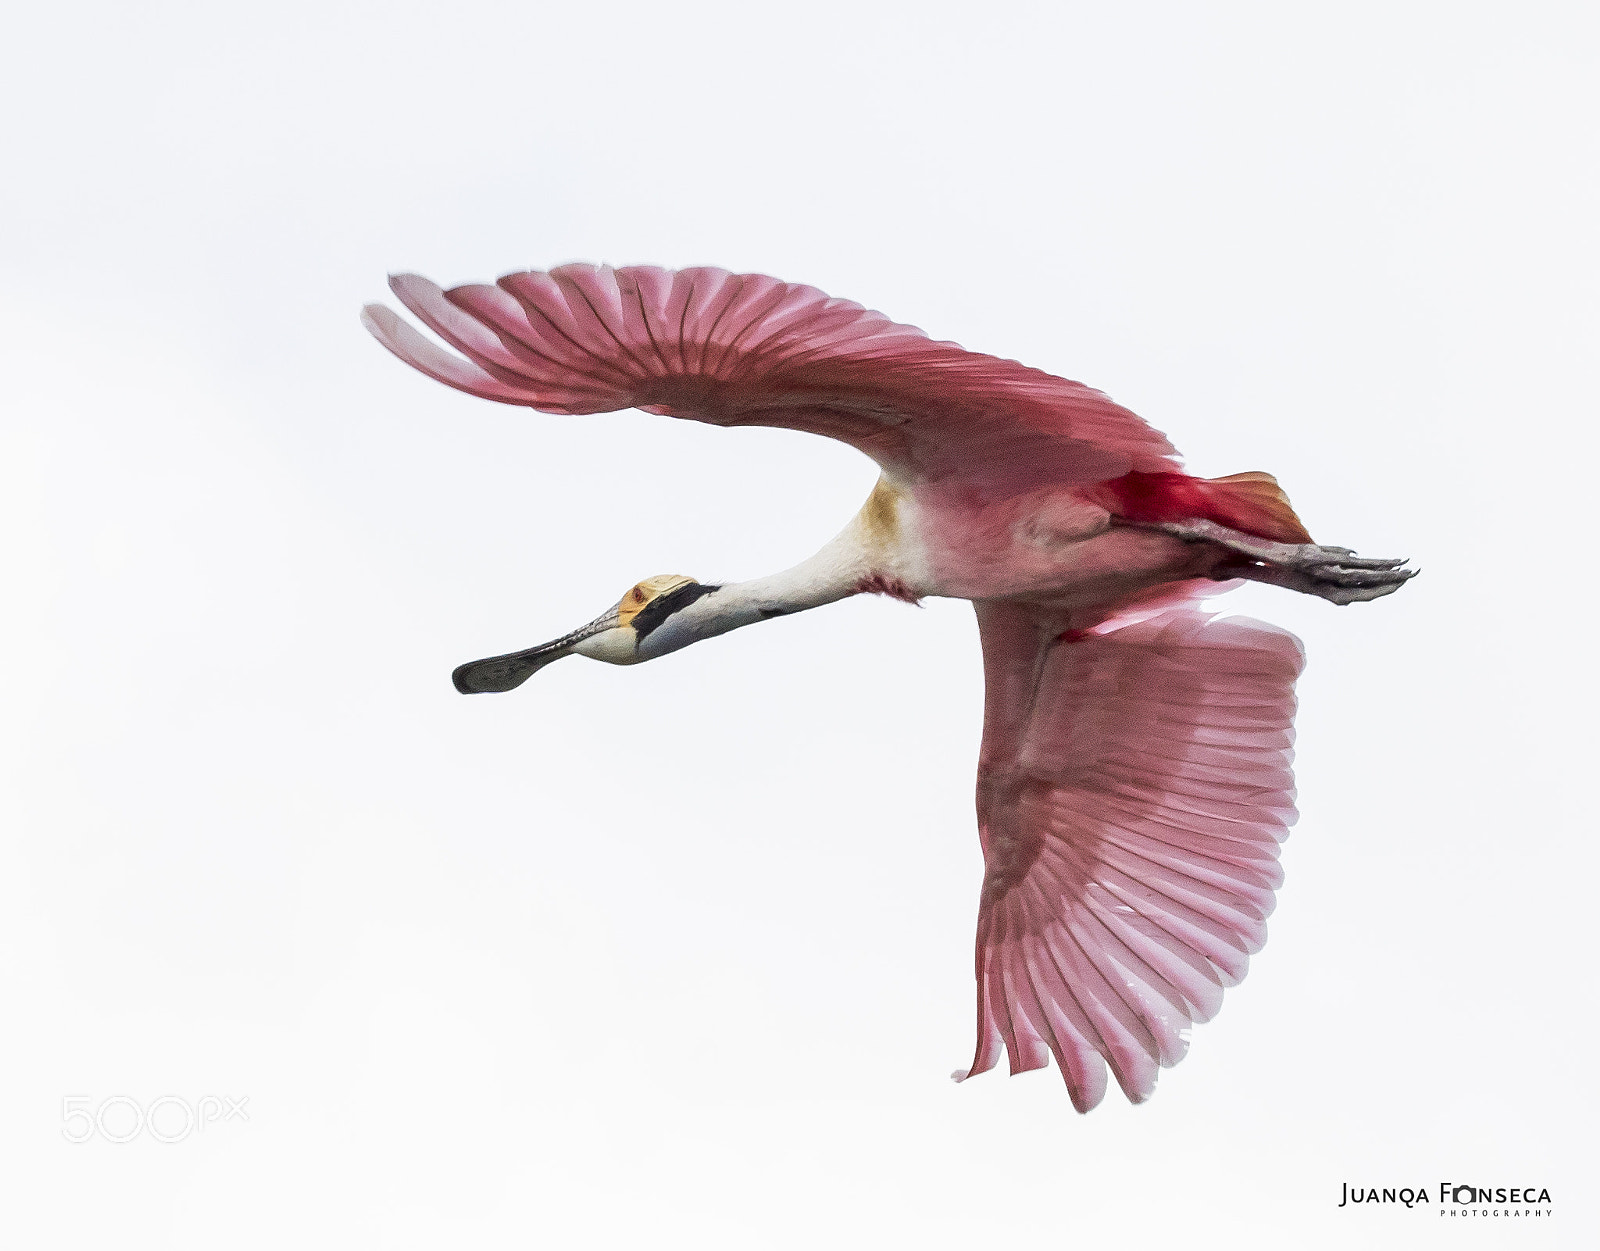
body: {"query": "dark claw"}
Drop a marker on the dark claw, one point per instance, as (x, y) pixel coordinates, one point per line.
(1359, 577)
(1351, 561)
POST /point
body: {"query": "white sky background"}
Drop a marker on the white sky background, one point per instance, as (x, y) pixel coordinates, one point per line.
(680, 955)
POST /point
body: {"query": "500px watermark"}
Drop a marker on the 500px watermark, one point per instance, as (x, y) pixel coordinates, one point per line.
(167, 1118)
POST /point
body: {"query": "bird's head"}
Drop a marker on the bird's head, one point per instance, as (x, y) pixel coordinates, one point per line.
(628, 632)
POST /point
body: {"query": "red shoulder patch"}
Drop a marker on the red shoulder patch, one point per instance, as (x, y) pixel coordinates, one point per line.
(1251, 502)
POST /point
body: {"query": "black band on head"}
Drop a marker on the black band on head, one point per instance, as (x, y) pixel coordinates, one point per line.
(663, 606)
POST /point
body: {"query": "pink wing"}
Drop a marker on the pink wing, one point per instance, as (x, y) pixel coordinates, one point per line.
(1132, 792)
(749, 350)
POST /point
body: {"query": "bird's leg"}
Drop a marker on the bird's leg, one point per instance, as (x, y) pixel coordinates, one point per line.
(1335, 574)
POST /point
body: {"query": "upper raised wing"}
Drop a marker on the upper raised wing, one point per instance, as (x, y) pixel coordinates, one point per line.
(1132, 792)
(746, 349)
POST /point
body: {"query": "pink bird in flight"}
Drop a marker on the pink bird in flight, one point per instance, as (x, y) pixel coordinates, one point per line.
(1134, 779)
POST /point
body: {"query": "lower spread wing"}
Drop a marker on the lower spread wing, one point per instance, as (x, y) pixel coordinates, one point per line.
(1132, 793)
(734, 349)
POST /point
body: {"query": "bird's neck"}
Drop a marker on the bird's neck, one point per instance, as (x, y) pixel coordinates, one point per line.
(841, 569)
(857, 560)
(867, 555)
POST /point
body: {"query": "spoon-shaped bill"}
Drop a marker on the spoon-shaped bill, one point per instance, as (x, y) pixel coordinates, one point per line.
(505, 673)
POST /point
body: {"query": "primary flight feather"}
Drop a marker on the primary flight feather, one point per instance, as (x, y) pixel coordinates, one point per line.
(1134, 779)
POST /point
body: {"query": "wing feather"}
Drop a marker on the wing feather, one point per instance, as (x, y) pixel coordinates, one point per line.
(426, 357)
(746, 349)
(1134, 789)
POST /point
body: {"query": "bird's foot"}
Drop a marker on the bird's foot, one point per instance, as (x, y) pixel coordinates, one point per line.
(1343, 579)
(1335, 574)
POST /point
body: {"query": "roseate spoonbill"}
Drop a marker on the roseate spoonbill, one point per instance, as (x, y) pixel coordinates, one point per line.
(1134, 780)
